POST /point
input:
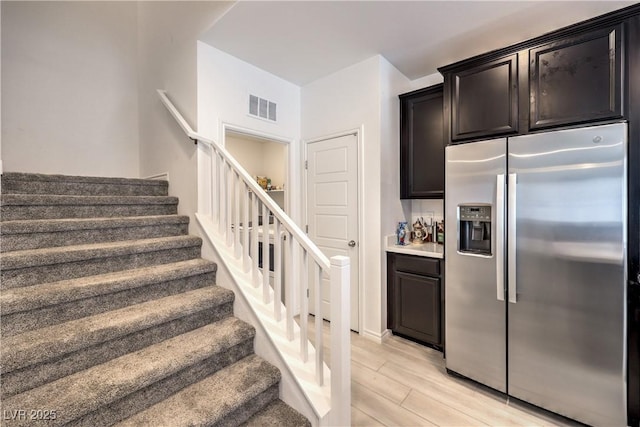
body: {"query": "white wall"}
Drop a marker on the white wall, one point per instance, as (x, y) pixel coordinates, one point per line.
(428, 80)
(392, 83)
(260, 157)
(167, 42)
(69, 88)
(224, 85)
(346, 100)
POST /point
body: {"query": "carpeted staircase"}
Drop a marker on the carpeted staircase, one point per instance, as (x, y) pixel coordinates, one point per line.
(110, 317)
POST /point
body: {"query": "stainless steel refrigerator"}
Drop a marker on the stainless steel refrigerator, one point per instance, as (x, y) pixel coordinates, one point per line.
(535, 267)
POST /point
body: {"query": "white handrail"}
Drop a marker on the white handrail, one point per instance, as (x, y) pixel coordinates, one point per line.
(178, 117)
(291, 226)
(225, 189)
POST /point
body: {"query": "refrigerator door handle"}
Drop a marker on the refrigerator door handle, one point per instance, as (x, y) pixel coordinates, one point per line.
(511, 237)
(499, 236)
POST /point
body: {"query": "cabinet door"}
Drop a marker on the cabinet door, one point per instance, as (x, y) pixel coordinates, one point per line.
(417, 307)
(484, 99)
(576, 79)
(422, 144)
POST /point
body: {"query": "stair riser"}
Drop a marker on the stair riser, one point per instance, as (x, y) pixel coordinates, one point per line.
(16, 323)
(13, 278)
(277, 413)
(33, 376)
(28, 212)
(18, 242)
(142, 399)
(250, 407)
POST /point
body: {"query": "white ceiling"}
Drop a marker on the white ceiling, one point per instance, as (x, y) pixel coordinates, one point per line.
(301, 41)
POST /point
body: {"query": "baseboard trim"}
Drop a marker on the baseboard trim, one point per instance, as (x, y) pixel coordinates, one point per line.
(374, 336)
(161, 176)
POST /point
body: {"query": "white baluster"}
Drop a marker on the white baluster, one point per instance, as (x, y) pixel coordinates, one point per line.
(228, 204)
(265, 254)
(236, 215)
(222, 197)
(317, 287)
(304, 307)
(215, 193)
(246, 206)
(277, 264)
(205, 180)
(254, 238)
(288, 287)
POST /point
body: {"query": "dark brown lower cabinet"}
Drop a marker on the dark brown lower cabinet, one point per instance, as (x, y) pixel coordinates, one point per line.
(414, 297)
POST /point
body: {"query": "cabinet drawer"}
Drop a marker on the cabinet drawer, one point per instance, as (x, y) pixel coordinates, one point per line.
(417, 265)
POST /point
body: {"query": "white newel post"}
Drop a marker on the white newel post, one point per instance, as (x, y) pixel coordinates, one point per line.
(340, 342)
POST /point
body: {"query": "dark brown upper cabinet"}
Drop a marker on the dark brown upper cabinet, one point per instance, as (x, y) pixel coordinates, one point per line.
(484, 99)
(576, 79)
(422, 144)
(577, 75)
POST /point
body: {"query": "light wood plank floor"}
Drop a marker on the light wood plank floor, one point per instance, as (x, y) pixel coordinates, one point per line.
(401, 383)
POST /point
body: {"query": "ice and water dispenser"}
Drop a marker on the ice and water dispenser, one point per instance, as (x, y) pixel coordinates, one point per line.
(475, 229)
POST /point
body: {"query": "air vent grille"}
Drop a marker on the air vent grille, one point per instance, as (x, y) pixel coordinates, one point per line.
(263, 108)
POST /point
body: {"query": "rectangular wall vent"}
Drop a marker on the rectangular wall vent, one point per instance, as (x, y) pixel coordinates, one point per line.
(259, 107)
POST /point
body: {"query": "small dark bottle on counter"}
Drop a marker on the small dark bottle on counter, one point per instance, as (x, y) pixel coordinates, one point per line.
(440, 227)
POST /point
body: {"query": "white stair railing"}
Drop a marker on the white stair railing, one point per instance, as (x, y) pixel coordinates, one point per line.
(250, 224)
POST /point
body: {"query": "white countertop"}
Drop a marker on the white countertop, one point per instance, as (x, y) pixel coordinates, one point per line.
(431, 250)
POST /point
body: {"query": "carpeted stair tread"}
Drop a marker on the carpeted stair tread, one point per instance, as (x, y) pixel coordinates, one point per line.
(55, 341)
(43, 233)
(64, 254)
(37, 266)
(70, 224)
(277, 414)
(45, 206)
(83, 392)
(110, 315)
(59, 200)
(212, 400)
(33, 183)
(37, 296)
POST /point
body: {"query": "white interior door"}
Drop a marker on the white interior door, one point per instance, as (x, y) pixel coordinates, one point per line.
(332, 210)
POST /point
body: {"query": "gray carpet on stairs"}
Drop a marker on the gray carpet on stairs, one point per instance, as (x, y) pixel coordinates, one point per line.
(110, 315)
(34, 234)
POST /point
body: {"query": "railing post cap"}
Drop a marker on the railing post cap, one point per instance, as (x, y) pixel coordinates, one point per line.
(340, 260)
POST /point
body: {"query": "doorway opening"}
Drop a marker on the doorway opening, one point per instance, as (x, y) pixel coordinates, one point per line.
(264, 158)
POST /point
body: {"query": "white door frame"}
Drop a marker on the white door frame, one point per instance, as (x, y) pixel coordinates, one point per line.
(228, 127)
(290, 174)
(358, 133)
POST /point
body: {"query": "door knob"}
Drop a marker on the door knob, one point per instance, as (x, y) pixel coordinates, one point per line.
(352, 243)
